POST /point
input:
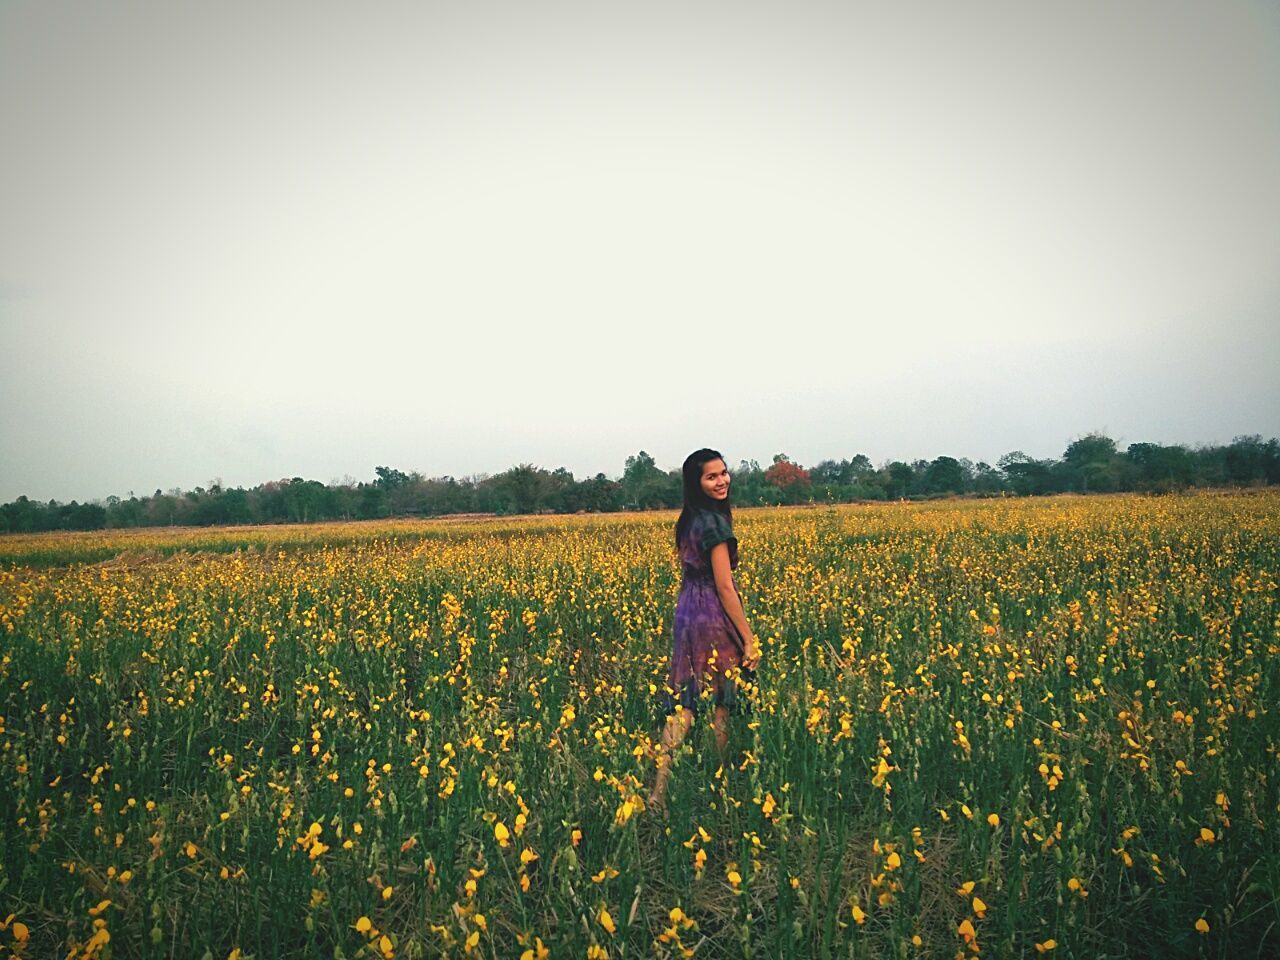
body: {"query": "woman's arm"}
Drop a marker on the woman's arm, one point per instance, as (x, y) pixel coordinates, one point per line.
(732, 603)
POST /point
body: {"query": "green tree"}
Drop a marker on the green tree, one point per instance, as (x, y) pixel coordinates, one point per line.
(389, 479)
(1160, 468)
(896, 478)
(945, 475)
(1089, 463)
(1026, 475)
(1248, 459)
(987, 479)
(645, 486)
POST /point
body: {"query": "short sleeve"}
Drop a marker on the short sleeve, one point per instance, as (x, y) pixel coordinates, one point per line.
(717, 529)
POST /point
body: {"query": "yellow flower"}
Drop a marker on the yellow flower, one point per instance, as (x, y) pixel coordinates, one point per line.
(859, 915)
(993, 819)
(882, 770)
(606, 921)
(979, 907)
(1202, 925)
(20, 931)
(501, 833)
(1046, 946)
(966, 930)
(364, 925)
(386, 892)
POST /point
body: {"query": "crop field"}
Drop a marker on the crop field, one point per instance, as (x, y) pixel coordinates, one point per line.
(981, 728)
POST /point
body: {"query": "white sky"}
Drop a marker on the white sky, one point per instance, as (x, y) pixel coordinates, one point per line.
(252, 241)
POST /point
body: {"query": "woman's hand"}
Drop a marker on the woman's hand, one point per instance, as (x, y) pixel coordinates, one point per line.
(751, 655)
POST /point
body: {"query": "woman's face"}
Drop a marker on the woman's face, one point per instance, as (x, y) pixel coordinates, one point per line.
(715, 479)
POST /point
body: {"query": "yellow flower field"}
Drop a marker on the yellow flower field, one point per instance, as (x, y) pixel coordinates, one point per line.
(982, 728)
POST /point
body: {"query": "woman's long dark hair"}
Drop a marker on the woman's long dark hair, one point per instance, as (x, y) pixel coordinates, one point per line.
(694, 497)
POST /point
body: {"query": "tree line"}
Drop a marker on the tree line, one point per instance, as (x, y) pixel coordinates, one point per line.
(1090, 464)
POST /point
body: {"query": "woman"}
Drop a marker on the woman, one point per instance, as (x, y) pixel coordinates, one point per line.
(711, 635)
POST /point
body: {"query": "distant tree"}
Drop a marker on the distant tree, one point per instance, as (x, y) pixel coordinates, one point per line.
(389, 479)
(304, 500)
(562, 492)
(945, 475)
(126, 513)
(162, 510)
(598, 494)
(1026, 475)
(640, 469)
(829, 472)
(644, 485)
(896, 478)
(919, 478)
(370, 502)
(235, 506)
(860, 469)
(20, 516)
(790, 479)
(519, 489)
(1159, 468)
(1271, 461)
(1248, 459)
(1089, 463)
(747, 485)
(408, 495)
(987, 479)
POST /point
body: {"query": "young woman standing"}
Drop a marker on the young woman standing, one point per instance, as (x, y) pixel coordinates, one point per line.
(711, 634)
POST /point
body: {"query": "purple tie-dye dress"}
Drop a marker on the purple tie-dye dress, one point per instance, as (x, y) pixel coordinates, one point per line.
(705, 643)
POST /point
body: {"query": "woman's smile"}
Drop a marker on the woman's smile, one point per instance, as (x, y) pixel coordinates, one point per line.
(715, 480)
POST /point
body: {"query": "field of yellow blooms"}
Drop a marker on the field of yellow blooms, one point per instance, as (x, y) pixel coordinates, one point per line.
(1000, 728)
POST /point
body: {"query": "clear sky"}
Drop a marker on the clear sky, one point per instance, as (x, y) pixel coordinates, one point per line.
(264, 240)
